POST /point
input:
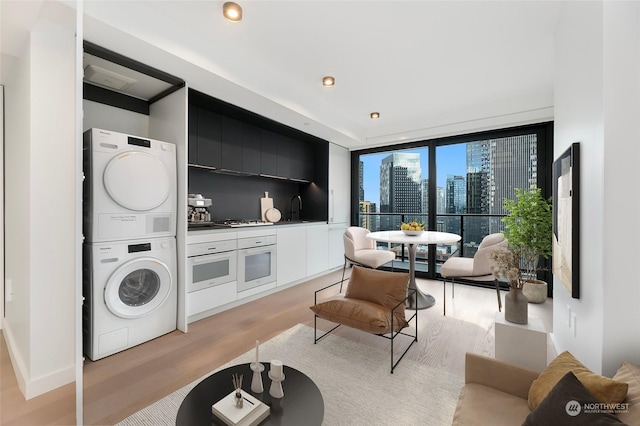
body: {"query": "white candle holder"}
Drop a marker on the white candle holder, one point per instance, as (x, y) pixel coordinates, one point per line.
(276, 386)
(256, 381)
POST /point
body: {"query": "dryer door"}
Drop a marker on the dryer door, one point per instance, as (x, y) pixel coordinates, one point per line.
(137, 181)
(138, 287)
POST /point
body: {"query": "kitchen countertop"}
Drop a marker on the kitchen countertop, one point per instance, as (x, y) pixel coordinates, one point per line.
(194, 227)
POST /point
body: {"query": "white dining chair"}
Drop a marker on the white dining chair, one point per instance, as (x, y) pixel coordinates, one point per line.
(360, 250)
(476, 268)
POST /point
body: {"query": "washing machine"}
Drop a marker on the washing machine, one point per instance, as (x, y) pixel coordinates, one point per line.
(130, 187)
(130, 294)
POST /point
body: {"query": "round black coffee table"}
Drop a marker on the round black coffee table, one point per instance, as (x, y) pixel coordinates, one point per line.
(302, 403)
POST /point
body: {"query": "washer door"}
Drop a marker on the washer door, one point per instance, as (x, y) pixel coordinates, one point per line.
(137, 181)
(138, 287)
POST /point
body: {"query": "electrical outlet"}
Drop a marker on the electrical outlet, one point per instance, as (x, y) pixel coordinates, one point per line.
(8, 290)
(575, 331)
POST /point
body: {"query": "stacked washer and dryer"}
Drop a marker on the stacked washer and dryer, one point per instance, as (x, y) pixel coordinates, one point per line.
(129, 258)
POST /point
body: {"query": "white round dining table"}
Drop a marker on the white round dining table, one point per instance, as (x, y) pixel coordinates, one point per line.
(420, 300)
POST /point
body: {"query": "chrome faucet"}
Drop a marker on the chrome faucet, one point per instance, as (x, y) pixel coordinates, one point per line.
(299, 205)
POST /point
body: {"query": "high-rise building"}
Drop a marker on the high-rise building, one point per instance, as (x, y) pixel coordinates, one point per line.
(425, 196)
(361, 181)
(478, 168)
(400, 187)
(495, 167)
(367, 219)
(440, 200)
(478, 165)
(456, 194)
(514, 164)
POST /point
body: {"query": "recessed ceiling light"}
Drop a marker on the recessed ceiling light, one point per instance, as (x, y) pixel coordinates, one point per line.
(232, 11)
(328, 81)
(375, 115)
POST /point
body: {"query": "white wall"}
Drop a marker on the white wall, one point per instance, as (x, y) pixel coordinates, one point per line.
(41, 176)
(596, 104)
(16, 323)
(621, 285)
(106, 117)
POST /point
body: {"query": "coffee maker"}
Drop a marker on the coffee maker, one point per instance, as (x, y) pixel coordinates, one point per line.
(198, 211)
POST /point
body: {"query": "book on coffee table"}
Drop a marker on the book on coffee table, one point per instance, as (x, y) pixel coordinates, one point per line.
(253, 411)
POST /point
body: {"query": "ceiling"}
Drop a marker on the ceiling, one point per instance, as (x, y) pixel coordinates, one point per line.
(430, 68)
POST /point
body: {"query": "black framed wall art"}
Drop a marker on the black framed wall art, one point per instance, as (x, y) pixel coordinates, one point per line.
(566, 219)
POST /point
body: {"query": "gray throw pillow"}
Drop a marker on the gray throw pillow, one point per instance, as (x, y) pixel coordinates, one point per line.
(570, 403)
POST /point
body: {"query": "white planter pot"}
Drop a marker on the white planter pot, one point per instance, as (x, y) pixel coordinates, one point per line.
(535, 291)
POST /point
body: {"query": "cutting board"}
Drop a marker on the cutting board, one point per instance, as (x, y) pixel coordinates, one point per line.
(266, 203)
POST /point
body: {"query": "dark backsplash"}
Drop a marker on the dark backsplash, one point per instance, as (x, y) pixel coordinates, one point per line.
(238, 197)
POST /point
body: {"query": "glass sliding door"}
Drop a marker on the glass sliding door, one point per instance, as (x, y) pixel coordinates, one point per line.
(393, 188)
(474, 178)
(456, 184)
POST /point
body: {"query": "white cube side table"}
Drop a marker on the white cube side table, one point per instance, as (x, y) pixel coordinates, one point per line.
(522, 345)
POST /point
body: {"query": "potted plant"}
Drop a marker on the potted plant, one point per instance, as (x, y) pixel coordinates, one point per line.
(529, 233)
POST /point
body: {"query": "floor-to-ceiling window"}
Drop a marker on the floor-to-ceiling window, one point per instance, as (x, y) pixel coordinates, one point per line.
(455, 184)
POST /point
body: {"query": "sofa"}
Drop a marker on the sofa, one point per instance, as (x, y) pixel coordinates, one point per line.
(566, 392)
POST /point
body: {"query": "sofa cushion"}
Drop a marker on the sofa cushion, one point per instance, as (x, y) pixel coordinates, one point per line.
(602, 388)
(630, 374)
(482, 405)
(569, 403)
(360, 314)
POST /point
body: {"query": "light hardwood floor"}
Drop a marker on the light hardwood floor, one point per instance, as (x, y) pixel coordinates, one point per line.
(119, 385)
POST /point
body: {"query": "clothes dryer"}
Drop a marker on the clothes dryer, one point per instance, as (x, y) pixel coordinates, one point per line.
(130, 294)
(129, 188)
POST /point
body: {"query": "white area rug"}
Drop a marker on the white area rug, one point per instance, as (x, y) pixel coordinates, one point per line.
(353, 378)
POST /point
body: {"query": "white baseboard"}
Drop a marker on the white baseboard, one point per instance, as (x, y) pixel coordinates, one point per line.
(32, 387)
(17, 360)
(51, 381)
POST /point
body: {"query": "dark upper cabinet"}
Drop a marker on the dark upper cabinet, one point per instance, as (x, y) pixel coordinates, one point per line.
(283, 161)
(269, 153)
(209, 138)
(301, 161)
(230, 144)
(231, 152)
(193, 136)
(251, 156)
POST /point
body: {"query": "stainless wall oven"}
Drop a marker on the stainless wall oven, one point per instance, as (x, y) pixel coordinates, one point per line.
(210, 264)
(256, 261)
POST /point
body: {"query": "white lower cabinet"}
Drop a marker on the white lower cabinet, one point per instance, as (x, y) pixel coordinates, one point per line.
(336, 244)
(301, 251)
(256, 290)
(317, 249)
(291, 254)
(212, 297)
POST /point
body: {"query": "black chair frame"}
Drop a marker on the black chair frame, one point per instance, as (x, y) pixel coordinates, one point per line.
(391, 335)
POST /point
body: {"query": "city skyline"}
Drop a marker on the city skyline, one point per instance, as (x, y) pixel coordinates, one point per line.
(473, 178)
(451, 161)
